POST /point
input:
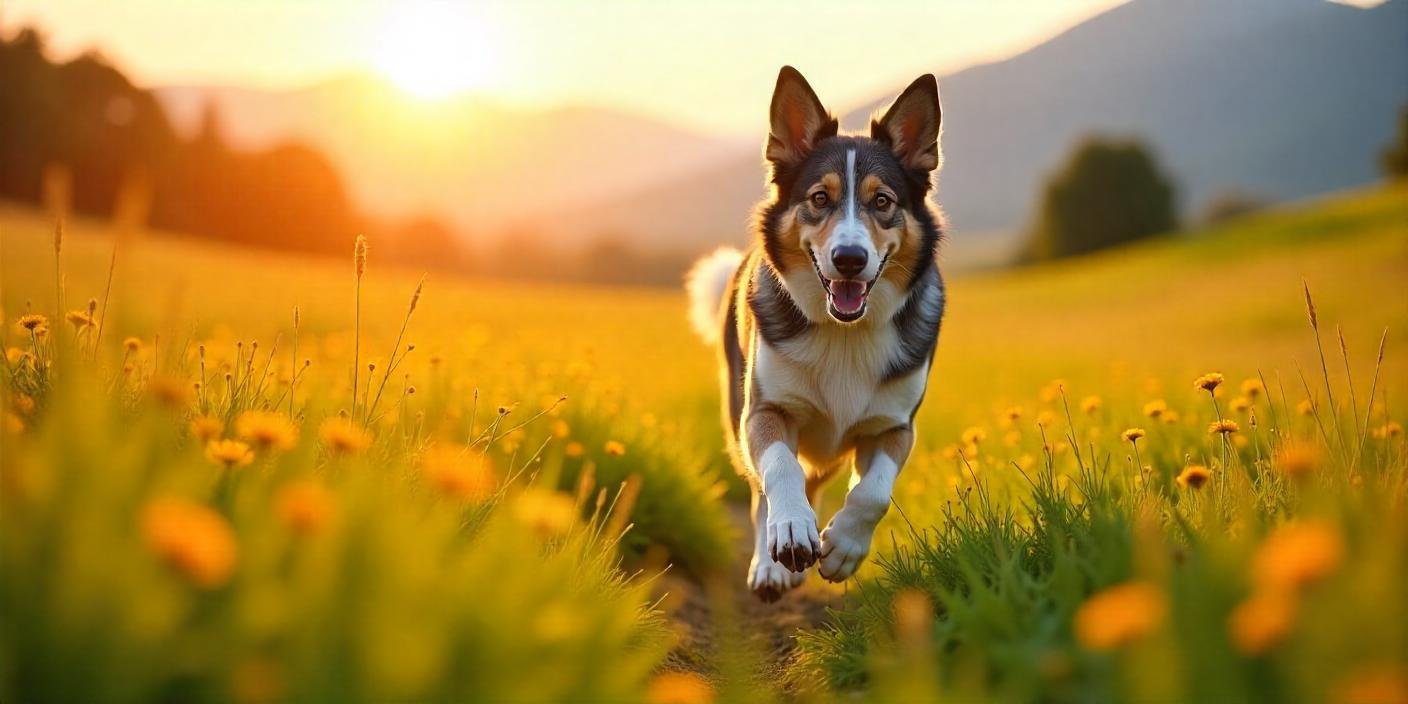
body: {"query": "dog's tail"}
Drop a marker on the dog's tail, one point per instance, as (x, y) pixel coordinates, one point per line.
(706, 282)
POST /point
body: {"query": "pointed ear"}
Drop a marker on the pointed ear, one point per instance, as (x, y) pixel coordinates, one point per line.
(911, 125)
(798, 121)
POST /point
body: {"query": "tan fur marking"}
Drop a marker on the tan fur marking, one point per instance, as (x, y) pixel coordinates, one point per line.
(767, 425)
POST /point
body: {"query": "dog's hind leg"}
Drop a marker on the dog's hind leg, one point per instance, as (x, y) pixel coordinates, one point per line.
(768, 579)
(846, 540)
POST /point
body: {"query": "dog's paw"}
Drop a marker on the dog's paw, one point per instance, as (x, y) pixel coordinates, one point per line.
(769, 580)
(844, 545)
(793, 540)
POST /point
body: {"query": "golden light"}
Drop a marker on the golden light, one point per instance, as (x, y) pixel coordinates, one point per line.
(433, 50)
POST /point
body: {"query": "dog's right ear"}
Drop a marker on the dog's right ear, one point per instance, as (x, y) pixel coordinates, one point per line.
(798, 122)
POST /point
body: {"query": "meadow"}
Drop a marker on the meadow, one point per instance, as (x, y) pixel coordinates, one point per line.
(240, 475)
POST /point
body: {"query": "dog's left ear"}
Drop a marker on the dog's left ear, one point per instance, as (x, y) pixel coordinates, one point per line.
(911, 126)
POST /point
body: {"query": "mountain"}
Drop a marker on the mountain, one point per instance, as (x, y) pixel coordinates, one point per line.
(483, 165)
(1280, 98)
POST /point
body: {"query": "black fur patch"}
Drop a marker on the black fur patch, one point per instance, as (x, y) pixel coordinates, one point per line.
(779, 318)
(917, 324)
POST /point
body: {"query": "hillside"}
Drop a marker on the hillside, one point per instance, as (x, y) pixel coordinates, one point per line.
(1280, 98)
(1172, 304)
(484, 165)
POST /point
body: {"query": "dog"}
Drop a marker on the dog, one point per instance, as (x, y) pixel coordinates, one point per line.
(826, 326)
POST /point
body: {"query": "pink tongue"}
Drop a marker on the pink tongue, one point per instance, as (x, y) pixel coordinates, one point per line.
(847, 296)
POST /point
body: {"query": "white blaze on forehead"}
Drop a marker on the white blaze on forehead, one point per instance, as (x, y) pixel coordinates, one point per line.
(850, 185)
(850, 231)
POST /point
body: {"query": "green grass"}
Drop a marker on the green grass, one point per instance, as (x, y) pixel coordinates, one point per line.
(427, 594)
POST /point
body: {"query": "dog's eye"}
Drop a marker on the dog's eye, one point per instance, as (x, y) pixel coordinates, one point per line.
(882, 201)
(820, 199)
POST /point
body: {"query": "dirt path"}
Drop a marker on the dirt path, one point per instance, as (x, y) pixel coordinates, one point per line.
(767, 629)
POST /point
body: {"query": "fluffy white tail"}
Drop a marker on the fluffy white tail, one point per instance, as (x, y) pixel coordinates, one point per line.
(706, 282)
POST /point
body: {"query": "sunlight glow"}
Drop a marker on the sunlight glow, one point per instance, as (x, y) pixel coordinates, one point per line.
(434, 50)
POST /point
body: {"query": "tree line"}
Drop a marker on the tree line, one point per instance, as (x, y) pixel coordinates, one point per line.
(84, 123)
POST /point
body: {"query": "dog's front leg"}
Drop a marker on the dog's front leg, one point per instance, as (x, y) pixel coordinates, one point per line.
(790, 523)
(846, 540)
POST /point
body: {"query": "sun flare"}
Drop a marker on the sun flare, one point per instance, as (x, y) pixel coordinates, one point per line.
(434, 50)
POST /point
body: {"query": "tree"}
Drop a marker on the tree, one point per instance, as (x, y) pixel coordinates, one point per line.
(1395, 156)
(1108, 193)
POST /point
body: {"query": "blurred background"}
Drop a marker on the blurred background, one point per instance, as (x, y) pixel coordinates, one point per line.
(544, 139)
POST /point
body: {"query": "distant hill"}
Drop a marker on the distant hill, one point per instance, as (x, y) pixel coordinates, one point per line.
(484, 165)
(1279, 98)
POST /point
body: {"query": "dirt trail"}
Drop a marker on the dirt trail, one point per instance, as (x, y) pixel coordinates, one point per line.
(768, 629)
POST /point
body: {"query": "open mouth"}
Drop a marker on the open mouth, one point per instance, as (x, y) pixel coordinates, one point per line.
(846, 298)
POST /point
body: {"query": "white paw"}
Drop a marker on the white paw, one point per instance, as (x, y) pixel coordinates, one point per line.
(769, 580)
(844, 545)
(792, 537)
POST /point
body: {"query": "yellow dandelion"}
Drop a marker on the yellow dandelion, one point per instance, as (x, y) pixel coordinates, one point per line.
(1091, 404)
(229, 453)
(1120, 615)
(560, 429)
(1242, 404)
(15, 355)
(1194, 476)
(1297, 554)
(191, 539)
(973, 436)
(267, 430)
(615, 448)
(170, 392)
(1305, 407)
(1223, 427)
(207, 428)
(1297, 459)
(343, 437)
(33, 322)
(1262, 621)
(1132, 435)
(1012, 414)
(574, 449)
(80, 319)
(548, 513)
(453, 472)
(1045, 419)
(1155, 408)
(679, 688)
(1012, 438)
(1252, 388)
(1391, 429)
(1208, 382)
(305, 506)
(132, 344)
(1170, 417)
(1372, 684)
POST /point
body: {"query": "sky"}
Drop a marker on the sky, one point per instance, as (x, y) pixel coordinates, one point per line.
(703, 65)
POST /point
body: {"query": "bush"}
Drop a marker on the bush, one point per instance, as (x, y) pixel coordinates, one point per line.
(1108, 193)
(1229, 205)
(1395, 156)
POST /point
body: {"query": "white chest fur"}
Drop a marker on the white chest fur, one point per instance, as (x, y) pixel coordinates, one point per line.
(831, 381)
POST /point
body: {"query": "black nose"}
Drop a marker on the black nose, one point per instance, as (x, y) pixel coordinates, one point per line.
(849, 259)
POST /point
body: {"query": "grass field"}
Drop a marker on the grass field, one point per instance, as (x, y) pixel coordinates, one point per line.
(457, 531)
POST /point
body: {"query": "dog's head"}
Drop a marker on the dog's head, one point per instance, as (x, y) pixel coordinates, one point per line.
(849, 216)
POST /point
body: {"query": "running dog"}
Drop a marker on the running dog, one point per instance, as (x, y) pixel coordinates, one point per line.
(826, 326)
